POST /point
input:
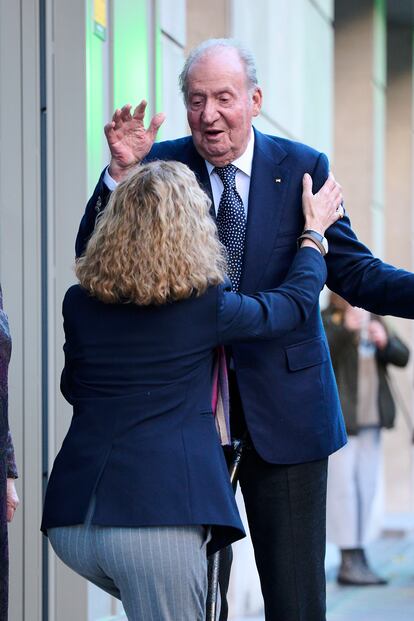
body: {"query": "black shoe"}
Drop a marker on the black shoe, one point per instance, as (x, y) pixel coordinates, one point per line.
(355, 571)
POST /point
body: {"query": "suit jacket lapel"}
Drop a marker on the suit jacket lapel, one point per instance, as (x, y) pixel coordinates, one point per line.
(267, 199)
(198, 166)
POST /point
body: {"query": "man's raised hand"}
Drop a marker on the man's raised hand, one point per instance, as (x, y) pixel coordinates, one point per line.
(128, 140)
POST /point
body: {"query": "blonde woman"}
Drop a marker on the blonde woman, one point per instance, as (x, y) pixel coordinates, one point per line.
(140, 487)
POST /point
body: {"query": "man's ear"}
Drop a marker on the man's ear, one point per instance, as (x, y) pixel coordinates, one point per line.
(257, 98)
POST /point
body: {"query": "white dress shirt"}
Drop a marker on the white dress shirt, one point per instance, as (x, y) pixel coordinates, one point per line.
(243, 174)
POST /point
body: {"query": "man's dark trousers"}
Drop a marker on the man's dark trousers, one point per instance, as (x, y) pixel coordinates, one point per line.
(285, 505)
(286, 511)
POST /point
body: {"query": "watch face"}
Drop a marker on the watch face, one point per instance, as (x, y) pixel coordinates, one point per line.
(325, 243)
(315, 234)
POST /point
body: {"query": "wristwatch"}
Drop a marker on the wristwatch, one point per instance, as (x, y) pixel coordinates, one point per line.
(317, 238)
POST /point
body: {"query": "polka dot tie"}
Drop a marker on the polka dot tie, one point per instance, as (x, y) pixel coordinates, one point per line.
(231, 223)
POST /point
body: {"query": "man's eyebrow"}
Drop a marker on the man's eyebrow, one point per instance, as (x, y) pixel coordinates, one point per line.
(199, 93)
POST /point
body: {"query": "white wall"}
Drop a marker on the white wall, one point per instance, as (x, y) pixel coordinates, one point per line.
(293, 45)
(172, 20)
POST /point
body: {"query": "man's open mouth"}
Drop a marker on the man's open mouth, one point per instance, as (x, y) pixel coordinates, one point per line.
(212, 133)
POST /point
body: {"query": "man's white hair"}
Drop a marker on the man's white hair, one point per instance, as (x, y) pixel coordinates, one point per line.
(196, 53)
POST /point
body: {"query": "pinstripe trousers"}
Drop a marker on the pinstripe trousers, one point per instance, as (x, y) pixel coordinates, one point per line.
(159, 573)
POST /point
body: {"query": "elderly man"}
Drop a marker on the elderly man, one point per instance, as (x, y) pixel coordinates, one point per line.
(283, 391)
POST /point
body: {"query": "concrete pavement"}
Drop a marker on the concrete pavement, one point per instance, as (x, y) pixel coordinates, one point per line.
(393, 558)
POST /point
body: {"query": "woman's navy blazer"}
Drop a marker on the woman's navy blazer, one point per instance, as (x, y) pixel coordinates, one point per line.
(142, 437)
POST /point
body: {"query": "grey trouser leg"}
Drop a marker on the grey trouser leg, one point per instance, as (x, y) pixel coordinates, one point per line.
(159, 573)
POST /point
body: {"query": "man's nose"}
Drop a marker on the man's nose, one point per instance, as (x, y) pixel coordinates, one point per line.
(210, 112)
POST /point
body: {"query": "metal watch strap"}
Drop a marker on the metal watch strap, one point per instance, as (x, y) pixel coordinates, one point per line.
(316, 233)
(318, 236)
(314, 239)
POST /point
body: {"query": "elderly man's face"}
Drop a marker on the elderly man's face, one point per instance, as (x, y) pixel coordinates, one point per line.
(220, 108)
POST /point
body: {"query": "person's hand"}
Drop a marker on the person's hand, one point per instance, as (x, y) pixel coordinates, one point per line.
(377, 334)
(355, 318)
(12, 500)
(128, 140)
(323, 208)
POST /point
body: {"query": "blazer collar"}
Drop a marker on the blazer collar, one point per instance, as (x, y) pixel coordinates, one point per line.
(198, 166)
(268, 147)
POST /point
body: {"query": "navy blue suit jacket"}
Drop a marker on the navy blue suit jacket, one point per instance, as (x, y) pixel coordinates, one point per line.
(287, 385)
(143, 436)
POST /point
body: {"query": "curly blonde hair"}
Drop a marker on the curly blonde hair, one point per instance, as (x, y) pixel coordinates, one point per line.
(155, 242)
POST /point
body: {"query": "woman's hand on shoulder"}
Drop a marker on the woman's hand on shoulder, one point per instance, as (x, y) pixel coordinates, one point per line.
(322, 209)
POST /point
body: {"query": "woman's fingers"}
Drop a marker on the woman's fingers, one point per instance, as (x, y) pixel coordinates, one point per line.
(12, 500)
(336, 214)
(336, 193)
(307, 184)
(10, 513)
(330, 184)
(340, 211)
(325, 207)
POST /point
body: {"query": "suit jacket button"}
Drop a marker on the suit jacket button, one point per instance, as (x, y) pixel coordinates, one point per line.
(98, 205)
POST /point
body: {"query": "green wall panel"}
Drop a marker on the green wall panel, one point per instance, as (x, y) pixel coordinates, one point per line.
(131, 60)
(96, 97)
(127, 51)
